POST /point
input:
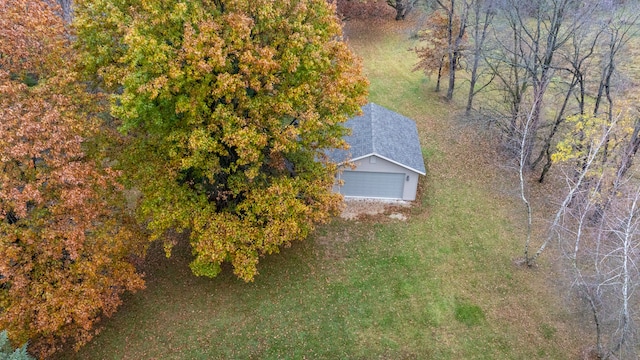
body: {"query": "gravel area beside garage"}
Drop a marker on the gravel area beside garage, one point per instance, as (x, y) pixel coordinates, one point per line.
(356, 208)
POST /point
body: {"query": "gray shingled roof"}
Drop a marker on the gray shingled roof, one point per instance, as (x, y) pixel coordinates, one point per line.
(384, 133)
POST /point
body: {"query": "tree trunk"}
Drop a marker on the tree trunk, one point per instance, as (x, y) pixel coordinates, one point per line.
(605, 83)
(472, 85)
(439, 76)
(450, 52)
(401, 6)
(632, 150)
(400, 10)
(546, 151)
(575, 186)
(546, 148)
(455, 42)
(452, 77)
(480, 35)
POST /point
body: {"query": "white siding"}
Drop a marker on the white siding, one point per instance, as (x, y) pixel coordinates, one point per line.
(380, 165)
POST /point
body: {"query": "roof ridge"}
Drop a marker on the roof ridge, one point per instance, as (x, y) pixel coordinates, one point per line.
(391, 136)
(371, 123)
(373, 134)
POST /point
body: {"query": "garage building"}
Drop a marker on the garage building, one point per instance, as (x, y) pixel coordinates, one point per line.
(384, 160)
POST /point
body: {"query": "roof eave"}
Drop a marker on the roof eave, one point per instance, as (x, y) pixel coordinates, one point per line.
(385, 158)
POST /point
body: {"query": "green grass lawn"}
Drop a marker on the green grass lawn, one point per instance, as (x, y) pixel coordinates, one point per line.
(441, 285)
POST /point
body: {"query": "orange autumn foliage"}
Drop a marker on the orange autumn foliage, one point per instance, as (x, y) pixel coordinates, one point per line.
(65, 244)
(432, 55)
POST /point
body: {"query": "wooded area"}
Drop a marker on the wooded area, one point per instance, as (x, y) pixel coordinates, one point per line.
(557, 79)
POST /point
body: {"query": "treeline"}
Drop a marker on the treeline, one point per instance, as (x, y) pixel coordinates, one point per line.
(558, 80)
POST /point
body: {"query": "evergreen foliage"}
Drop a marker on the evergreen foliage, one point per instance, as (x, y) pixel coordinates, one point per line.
(8, 353)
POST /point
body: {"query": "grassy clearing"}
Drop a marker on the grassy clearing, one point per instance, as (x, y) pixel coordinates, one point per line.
(440, 286)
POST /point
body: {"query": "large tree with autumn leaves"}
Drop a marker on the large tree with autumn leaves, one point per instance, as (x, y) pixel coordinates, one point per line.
(65, 239)
(229, 106)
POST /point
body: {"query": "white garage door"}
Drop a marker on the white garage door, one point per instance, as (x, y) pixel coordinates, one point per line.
(373, 184)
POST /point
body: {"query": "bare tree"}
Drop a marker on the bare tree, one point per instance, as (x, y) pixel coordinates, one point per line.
(596, 144)
(483, 13)
(521, 170)
(603, 257)
(573, 232)
(505, 60)
(600, 243)
(620, 27)
(547, 29)
(553, 60)
(618, 264)
(575, 59)
(456, 12)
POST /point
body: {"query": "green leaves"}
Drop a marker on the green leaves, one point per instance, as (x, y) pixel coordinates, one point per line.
(210, 95)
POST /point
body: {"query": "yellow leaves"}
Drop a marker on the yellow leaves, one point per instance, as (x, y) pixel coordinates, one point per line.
(275, 216)
(248, 142)
(184, 104)
(200, 140)
(202, 151)
(585, 134)
(235, 107)
(238, 28)
(175, 72)
(201, 267)
(203, 50)
(286, 142)
(178, 12)
(564, 152)
(569, 148)
(259, 66)
(228, 86)
(154, 86)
